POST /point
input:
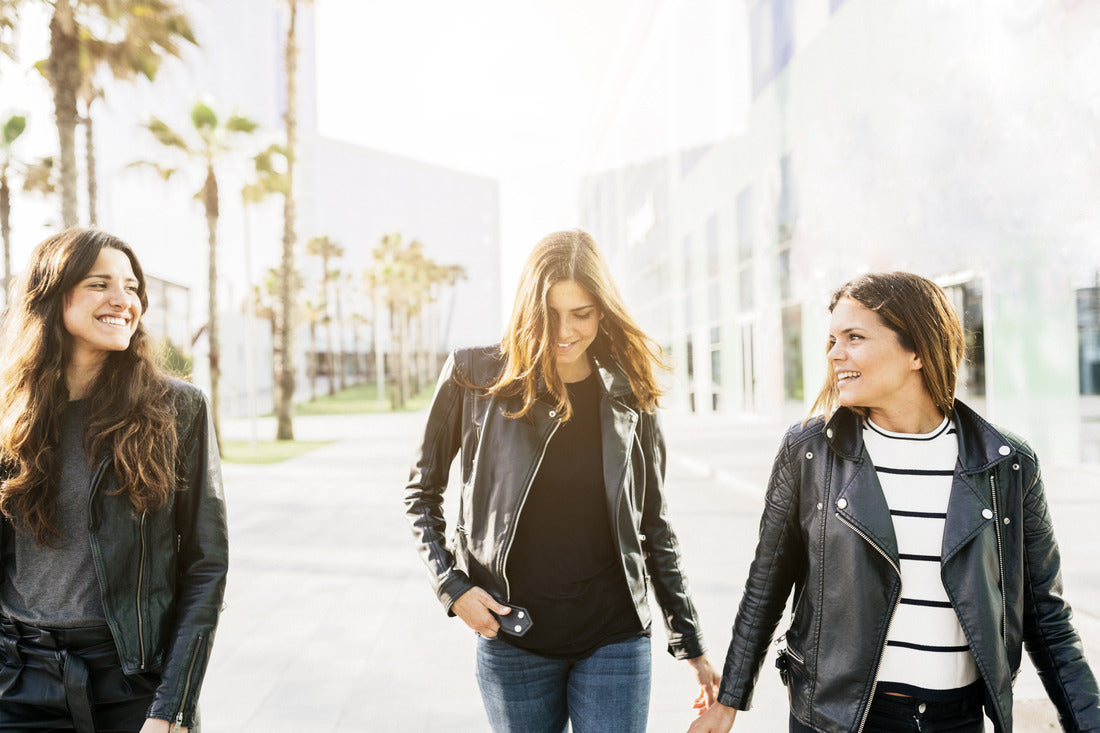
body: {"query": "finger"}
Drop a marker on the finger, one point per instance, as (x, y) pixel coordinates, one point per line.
(710, 692)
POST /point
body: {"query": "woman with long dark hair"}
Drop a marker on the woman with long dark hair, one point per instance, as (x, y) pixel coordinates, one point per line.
(113, 546)
(562, 517)
(916, 539)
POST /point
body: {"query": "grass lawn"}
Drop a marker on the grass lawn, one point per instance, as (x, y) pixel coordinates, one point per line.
(358, 399)
(266, 451)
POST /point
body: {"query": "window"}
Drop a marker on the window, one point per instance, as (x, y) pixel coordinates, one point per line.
(967, 298)
(771, 23)
(792, 353)
(1088, 339)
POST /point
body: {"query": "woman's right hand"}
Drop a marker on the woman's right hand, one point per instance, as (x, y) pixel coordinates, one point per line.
(473, 607)
(717, 719)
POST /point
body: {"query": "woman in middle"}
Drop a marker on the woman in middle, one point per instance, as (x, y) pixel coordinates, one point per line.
(562, 518)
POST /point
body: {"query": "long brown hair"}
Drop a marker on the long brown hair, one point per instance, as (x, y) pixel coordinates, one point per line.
(131, 416)
(526, 346)
(925, 321)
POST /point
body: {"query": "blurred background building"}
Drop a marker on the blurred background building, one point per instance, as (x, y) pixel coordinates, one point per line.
(958, 141)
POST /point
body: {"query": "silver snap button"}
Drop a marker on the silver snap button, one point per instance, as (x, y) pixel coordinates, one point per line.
(921, 708)
(1004, 450)
(987, 513)
(1008, 521)
(829, 433)
(1015, 466)
(842, 504)
(520, 614)
(553, 413)
(809, 454)
(518, 628)
(819, 506)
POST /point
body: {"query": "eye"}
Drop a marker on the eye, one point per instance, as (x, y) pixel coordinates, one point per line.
(132, 289)
(854, 337)
(584, 316)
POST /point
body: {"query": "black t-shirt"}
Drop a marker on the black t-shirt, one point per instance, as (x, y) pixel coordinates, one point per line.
(564, 566)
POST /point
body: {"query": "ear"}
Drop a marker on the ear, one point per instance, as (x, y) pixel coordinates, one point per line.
(916, 364)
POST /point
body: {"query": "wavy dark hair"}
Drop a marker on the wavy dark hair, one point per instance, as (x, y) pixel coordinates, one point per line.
(529, 356)
(131, 414)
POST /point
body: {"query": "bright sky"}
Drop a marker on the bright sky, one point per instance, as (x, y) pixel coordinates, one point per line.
(499, 88)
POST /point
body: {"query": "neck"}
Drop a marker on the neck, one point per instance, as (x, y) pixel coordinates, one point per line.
(80, 373)
(575, 372)
(916, 422)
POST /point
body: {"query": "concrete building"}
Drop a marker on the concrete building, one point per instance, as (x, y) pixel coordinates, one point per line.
(942, 139)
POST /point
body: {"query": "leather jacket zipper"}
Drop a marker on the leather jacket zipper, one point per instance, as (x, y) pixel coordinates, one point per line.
(889, 624)
(1000, 558)
(141, 578)
(523, 500)
(187, 686)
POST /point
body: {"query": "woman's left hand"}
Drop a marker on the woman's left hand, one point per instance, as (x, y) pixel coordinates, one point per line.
(156, 725)
(708, 682)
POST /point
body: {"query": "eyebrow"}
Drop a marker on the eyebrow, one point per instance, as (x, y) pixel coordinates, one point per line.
(107, 276)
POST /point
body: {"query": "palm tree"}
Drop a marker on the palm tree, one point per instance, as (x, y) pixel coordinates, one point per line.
(7, 26)
(13, 127)
(209, 146)
(284, 385)
(327, 250)
(404, 280)
(129, 36)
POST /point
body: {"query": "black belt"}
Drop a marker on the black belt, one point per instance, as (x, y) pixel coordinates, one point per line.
(71, 650)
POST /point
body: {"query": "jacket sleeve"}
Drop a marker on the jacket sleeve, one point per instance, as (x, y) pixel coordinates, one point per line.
(780, 554)
(203, 561)
(1049, 636)
(662, 550)
(427, 482)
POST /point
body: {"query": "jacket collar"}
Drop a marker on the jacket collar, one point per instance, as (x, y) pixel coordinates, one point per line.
(981, 446)
(614, 379)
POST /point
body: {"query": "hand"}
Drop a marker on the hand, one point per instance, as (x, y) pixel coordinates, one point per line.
(473, 607)
(708, 683)
(717, 719)
(156, 725)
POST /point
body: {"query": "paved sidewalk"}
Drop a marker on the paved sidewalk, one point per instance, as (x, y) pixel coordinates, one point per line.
(330, 623)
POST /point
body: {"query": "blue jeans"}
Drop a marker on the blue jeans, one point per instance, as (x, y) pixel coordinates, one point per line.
(526, 693)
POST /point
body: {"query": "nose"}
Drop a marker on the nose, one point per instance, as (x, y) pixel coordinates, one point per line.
(835, 352)
(117, 297)
(563, 328)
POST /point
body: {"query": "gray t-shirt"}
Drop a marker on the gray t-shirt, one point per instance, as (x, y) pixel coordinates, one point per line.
(57, 586)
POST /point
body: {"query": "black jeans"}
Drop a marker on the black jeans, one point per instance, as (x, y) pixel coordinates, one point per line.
(893, 714)
(68, 680)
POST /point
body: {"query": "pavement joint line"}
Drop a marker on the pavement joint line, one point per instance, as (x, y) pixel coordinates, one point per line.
(706, 470)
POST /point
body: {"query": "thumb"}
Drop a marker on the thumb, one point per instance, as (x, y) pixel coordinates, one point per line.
(501, 608)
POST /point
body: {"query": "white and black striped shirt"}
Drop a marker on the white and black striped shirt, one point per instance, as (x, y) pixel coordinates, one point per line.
(926, 652)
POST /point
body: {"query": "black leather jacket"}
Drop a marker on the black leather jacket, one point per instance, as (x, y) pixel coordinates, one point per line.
(162, 573)
(500, 457)
(826, 532)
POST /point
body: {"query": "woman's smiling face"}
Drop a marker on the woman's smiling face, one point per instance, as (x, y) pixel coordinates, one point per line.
(574, 323)
(103, 310)
(872, 368)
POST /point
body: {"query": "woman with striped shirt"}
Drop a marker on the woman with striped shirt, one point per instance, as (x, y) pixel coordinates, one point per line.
(916, 539)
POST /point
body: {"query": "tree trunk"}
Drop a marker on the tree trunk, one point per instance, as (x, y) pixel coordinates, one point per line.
(330, 354)
(210, 202)
(89, 157)
(284, 388)
(63, 69)
(312, 360)
(340, 341)
(5, 227)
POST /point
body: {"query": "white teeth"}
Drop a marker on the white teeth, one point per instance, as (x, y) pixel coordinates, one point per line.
(113, 320)
(846, 375)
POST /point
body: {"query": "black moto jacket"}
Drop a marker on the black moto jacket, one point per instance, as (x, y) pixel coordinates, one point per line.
(162, 573)
(500, 456)
(826, 532)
